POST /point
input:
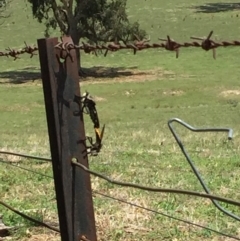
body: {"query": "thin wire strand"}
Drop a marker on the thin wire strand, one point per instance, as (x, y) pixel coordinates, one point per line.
(26, 156)
(22, 214)
(29, 218)
(153, 189)
(167, 215)
(25, 169)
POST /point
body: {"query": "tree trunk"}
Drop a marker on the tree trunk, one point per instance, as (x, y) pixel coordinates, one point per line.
(76, 40)
(76, 36)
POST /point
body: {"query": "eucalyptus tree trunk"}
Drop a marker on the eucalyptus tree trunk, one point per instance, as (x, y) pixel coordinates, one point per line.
(76, 39)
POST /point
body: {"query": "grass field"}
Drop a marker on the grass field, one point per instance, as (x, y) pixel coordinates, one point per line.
(136, 96)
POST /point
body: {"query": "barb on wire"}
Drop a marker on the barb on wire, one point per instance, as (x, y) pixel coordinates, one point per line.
(154, 189)
(171, 45)
(207, 43)
(138, 45)
(15, 53)
(26, 156)
(167, 215)
(190, 162)
(29, 218)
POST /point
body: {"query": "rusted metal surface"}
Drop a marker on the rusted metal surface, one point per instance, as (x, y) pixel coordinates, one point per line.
(15, 53)
(137, 45)
(67, 140)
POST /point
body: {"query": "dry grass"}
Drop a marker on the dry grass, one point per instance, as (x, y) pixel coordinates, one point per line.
(31, 236)
(135, 103)
(122, 218)
(132, 76)
(229, 93)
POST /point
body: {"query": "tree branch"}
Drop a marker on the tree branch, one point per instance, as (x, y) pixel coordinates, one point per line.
(64, 2)
(56, 10)
(65, 13)
(67, 3)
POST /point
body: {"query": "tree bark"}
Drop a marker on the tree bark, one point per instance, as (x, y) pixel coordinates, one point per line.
(76, 39)
(76, 42)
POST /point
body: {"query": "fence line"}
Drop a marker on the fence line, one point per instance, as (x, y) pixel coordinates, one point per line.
(154, 189)
(137, 186)
(112, 198)
(137, 45)
(51, 51)
(168, 216)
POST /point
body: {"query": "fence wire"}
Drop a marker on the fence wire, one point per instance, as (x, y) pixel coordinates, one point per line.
(139, 44)
(135, 46)
(155, 189)
(26, 156)
(25, 169)
(43, 224)
(137, 186)
(23, 215)
(167, 215)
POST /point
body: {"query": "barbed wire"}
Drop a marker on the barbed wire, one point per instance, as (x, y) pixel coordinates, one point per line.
(10, 52)
(137, 45)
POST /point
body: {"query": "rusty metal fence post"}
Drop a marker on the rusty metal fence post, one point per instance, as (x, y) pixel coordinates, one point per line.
(67, 140)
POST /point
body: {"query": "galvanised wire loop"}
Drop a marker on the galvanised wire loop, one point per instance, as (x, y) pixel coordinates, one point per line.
(190, 162)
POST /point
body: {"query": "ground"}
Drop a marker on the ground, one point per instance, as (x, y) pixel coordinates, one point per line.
(136, 95)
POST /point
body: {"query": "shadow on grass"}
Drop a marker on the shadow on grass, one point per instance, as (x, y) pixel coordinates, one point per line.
(28, 75)
(109, 72)
(20, 76)
(217, 7)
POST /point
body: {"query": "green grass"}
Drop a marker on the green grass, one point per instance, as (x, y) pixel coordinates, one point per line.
(138, 146)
